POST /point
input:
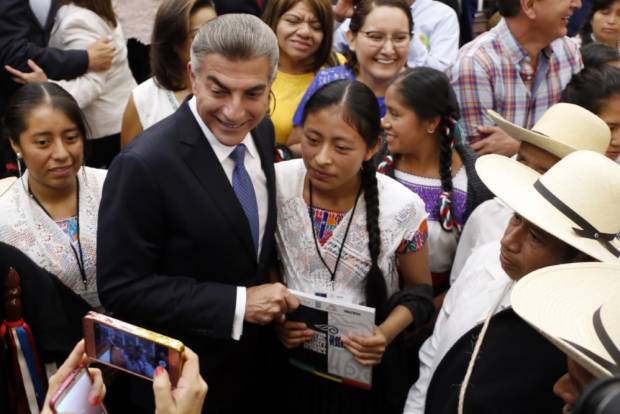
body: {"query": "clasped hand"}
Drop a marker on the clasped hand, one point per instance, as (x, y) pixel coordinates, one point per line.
(269, 302)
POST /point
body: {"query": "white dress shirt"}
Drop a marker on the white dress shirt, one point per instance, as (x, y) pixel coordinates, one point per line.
(252, 164)
(435, 41)
(467, 304)
(487, 223)
(41, 10)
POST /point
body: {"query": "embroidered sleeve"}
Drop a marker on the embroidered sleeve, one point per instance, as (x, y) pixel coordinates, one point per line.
(416, 241)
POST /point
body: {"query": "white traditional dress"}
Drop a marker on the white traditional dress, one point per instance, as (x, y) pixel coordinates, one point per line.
(26, 226)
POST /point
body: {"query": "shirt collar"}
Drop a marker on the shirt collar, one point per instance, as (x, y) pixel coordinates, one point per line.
(512, 47)
(221, 151)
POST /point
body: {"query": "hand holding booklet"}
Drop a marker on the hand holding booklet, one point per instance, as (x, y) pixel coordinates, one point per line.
(325, 355)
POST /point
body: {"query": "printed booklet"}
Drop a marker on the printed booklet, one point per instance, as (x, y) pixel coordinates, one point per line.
(325, 355)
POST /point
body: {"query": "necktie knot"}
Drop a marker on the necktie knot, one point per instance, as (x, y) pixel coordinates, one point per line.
(238, 154)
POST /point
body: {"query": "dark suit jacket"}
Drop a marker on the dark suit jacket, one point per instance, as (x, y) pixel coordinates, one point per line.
(174, 244)
(22, 37)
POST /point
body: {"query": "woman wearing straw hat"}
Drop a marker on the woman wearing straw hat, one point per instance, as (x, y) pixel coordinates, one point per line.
(562, 216)
(563, 129)
(575, 307)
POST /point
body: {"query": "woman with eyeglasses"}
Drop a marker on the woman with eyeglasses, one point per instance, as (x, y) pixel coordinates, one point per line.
(378, 37)
(304, 30)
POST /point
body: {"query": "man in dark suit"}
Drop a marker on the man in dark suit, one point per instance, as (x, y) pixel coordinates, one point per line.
(187, 218)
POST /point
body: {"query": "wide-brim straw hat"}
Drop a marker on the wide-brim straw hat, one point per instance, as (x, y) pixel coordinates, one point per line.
(562, 129)
(577, 200)
(5, 183)
(577, 307)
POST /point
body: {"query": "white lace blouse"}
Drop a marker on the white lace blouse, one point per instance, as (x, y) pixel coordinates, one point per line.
(401, 215)
(24, 225)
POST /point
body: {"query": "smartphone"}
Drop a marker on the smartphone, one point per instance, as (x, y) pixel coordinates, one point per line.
(130, 348)
(72, 396)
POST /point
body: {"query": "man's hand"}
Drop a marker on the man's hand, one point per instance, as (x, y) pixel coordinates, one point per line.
(190, 392)
(36, 76)
(265, 303)
(100, 54)
(493, 140)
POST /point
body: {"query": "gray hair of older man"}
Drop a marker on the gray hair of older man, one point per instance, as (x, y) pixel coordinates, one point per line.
(236, 37)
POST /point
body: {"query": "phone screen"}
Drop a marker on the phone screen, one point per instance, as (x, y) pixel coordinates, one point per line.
(75, 398)
(125, 350)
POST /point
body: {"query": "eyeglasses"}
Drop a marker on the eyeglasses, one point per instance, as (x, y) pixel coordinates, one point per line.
(378, 39)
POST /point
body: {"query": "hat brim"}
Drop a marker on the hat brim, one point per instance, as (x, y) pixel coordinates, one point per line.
(513, 183)
(537, 139)
(6, 183)
(560, 302)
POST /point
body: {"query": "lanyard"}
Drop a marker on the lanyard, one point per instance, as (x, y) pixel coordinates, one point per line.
(79, 258)
(344, 238)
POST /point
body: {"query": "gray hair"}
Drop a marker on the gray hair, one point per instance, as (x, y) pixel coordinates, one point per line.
(236, 37)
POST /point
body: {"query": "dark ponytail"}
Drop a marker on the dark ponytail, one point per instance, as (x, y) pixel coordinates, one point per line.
(360, 110)
(429, 94)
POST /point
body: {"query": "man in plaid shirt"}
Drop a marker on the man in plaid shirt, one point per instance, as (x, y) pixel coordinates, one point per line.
(518, 69)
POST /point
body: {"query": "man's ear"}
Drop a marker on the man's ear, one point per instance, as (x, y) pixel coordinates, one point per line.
(192, 77)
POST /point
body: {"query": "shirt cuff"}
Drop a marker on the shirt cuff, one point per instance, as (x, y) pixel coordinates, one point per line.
(237, 329)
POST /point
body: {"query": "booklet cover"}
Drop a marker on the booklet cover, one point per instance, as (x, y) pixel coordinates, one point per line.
(325, 355)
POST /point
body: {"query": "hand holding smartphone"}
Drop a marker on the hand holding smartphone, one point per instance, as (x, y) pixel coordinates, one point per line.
(73, 395)
(130, 348)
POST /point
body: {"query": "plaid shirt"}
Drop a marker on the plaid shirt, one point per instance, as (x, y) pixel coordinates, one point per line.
(495, 72)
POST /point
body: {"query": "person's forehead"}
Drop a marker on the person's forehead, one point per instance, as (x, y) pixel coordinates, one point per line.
(236, 72)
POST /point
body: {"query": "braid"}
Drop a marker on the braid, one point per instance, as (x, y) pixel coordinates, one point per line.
(376, 291)
(446, 212)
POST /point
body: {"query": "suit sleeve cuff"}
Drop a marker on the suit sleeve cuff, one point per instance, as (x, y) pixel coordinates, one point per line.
(237, 329)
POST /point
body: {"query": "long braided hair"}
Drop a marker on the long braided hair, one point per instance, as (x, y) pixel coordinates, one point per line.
(359, 109)
(428, 93)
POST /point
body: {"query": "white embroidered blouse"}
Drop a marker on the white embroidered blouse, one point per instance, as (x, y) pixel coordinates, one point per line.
(401, 214)
(24, 225)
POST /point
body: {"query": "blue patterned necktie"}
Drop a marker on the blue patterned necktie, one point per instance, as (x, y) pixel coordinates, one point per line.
(242, 185)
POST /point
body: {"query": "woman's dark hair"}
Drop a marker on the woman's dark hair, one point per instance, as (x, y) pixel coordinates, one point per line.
(32, 95)
(359, 109)
(597, 54)
(324, 56)
(428, 93)
(361, 10)
(170, 32)
(591, 87)
(585, 33)
(509, 8)
(102, 8)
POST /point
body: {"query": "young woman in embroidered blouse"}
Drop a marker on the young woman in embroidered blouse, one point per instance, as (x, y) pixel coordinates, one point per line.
(344, 231)
(50, 213)
(176, 24)
(379, 37)
(304, 29)
(429, 158)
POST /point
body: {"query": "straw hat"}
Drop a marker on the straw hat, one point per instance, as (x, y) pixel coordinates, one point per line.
(563, 128)
(576, 307)
(5, 183)
(577, 200)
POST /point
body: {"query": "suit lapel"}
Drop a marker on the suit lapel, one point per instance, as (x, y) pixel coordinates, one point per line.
(264, 146)
(203, 162)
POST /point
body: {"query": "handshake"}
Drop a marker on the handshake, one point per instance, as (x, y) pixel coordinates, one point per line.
(269, 302)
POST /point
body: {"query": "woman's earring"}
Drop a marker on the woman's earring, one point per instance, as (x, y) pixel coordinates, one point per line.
(430, 131)
(19, 164)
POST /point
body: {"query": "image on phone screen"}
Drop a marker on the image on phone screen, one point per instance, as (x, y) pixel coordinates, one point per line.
(128, 351)
(75, 398)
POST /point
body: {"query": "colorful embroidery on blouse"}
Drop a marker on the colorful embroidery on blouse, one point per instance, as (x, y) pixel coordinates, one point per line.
(325, 222)
(70, 228)
(417, 242)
